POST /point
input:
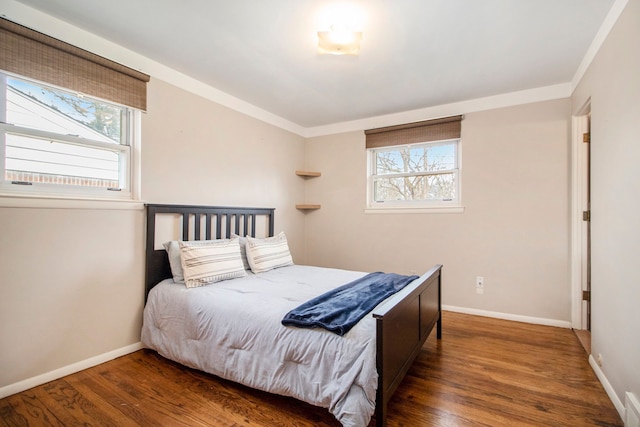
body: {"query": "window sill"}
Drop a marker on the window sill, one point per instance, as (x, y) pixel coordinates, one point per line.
(48, 202)
(415, 210)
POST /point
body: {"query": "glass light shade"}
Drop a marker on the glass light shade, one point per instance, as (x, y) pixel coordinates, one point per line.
(339, 42)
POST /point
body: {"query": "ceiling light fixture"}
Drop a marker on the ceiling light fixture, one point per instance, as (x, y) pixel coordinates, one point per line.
(340, 26)
(339, 41)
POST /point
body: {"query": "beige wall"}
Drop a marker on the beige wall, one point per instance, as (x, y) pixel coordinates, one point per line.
(71, 287)
(73, 279)
(514, 230)
(199, 152)
(612, 83)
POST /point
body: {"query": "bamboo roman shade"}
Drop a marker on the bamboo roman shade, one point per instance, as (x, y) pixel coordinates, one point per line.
(411, 133)
(35, 55)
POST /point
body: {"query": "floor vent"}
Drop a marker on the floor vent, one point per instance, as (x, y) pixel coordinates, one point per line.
(632, 411)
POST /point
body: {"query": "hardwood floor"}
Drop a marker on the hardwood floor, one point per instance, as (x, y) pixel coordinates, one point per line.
(484, 372)
(585, 339)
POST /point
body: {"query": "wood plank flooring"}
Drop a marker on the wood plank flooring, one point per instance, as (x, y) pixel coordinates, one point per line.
(585, 339)
(484, 372)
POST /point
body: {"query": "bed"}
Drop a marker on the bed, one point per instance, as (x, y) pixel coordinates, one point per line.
(351, 375)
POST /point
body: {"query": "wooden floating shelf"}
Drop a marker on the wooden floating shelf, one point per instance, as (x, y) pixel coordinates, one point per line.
(308, 173)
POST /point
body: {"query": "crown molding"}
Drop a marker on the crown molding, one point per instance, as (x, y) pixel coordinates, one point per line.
(598, 40)
(529, 96)
(62, 30)
(54, 27)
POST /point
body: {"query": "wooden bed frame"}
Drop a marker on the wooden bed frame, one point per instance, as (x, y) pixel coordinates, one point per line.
(403, 322)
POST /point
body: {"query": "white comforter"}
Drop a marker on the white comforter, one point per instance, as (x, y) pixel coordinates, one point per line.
(232, 329)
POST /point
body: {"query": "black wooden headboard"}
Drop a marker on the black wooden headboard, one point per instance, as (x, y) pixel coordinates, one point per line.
(198, 223)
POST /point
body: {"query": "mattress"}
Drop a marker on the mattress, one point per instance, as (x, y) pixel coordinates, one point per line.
(233, 329)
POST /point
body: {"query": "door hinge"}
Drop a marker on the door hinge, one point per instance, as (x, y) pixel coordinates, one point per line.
(586, 137)
(586, 295)
(586, 215)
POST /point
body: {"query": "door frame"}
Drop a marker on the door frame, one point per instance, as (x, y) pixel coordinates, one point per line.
(579, 203)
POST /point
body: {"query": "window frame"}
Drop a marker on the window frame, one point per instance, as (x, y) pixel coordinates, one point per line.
(413, 206)
(127, 150)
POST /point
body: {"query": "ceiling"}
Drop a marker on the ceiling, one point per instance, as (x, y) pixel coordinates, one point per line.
(415, 53)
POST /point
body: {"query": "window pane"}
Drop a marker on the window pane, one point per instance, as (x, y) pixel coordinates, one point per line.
(44, 108)
(30, 159)
(415, 159)
(432, 187)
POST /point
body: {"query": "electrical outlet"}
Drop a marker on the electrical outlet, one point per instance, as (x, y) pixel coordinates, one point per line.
(599, 359)
(479, 285)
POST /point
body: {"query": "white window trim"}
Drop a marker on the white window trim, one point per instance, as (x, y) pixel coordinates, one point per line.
(414, 207)
(80, 198)
(53, 201)
(454, 209)
(124, 154)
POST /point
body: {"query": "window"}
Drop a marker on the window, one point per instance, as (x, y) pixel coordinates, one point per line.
(415, 175)
(415, 165)
(69, 119)
(57, 142)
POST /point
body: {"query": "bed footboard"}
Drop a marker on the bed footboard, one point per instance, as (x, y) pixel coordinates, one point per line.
(403, 324)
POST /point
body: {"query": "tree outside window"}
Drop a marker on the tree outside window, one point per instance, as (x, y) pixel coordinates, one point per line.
(426, 172)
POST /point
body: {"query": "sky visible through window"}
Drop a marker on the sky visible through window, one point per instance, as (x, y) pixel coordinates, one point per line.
(428, 158)
(58, 137)
(101, 117)
(418, 172)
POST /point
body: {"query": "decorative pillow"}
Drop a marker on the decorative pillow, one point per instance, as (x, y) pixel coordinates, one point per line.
(208, 263)
(173, 251)
(267, 254)
(243, 250)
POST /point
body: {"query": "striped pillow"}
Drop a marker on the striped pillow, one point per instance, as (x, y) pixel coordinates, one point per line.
(208, 263)
(175, 259)
(267, 254)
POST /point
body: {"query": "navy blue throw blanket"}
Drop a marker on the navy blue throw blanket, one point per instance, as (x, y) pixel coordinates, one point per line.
(341, 308)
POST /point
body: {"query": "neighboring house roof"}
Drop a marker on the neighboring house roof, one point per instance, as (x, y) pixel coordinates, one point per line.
(26, 111)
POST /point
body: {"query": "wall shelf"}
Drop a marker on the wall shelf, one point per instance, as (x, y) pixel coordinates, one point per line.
(308, 174)
(307, 207)
(305, 175)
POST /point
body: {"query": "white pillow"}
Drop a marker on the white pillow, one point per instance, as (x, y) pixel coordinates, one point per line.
(173, 251)
(243, 250)
(267, 254)
(212, 262)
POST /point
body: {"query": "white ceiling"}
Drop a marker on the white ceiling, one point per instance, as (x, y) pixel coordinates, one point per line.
(415, 54)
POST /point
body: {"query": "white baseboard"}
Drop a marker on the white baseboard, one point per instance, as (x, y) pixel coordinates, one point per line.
(632, 410)
(607, 386)
(508, 316)
(67, 370)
